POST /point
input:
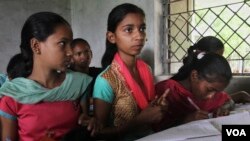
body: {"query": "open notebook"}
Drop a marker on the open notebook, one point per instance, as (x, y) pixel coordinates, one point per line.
(201, 129)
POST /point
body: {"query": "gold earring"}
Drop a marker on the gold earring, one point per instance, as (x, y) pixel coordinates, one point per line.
(37, 51)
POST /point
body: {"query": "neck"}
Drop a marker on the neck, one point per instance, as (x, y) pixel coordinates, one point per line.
(130, 61)
(46, 78)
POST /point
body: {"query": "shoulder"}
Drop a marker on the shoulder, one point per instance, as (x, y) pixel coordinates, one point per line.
(167, 82)
(8, 107)
(161, 86)
(7, 99)
(77, 75)
(103, 78)
(102, 88)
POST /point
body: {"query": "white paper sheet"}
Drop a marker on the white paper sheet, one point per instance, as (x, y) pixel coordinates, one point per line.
(199, 130)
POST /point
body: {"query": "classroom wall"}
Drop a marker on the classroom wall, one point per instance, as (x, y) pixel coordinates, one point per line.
(13, 14)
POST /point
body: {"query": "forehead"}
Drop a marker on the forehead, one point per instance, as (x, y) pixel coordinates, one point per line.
(133, 18)
(62, 31)
(81, 46)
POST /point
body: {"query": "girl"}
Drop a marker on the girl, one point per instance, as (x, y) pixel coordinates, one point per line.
(196, 90)
(122, 92)
(82, 56)
(44, 102)
(81, 60)
(215, 45)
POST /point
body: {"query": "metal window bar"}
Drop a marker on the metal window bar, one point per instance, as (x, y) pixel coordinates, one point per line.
(173, 20)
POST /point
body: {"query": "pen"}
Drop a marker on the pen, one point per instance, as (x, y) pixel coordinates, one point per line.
(192, 103)
(210, 115)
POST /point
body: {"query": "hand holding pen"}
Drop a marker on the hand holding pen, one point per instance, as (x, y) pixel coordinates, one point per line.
(199, 114)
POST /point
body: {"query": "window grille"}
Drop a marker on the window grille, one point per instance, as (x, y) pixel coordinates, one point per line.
(229, 22)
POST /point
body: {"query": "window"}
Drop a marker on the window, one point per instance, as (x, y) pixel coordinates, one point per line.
(189, 20)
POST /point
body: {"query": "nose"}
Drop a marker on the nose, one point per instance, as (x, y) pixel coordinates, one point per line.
(69, 52)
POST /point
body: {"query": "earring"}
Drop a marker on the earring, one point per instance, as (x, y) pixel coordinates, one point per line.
(37, 51)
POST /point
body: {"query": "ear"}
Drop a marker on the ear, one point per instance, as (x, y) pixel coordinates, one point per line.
(111, 37)
(194, 76)
(35, 46)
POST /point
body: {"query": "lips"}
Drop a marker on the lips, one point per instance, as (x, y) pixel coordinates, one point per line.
(138, 46)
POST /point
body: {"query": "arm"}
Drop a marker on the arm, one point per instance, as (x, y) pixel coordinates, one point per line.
(9, 129)
(103, 110)
(241, 97)
(103, 100)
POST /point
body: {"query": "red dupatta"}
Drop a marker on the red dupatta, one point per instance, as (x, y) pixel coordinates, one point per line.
(141, 99)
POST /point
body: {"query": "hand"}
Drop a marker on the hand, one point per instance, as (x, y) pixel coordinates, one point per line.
(155, 111)
(94, 127)
(84, 119)
(197, 115)
(222, 111)
(150, 115)
(162, 100)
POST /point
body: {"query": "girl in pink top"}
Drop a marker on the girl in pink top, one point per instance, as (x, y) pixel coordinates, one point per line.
(45, 102)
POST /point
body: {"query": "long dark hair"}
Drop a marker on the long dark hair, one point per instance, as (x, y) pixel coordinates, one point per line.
(209, 44)
(206, 44)
(114, 18)
(39, 25)
(77, 41)
(16, 66)
(211, 67)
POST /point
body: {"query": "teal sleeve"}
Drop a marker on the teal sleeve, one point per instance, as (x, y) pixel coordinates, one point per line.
(8, 116)
(103, 90)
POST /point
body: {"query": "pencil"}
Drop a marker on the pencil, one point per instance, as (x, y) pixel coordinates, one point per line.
(192, 103)
(210, 115)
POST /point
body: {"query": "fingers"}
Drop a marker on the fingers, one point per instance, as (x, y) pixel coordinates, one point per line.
(162, 100)
(94, 127)
(83, 120)
(222, 112)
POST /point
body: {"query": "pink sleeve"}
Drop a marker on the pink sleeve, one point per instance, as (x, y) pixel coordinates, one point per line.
(8, 107)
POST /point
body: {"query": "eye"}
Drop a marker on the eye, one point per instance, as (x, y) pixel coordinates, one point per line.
(143, 29)
(62, 43)
(128, 29)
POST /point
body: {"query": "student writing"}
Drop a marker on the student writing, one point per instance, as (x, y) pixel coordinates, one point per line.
(203, 81)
